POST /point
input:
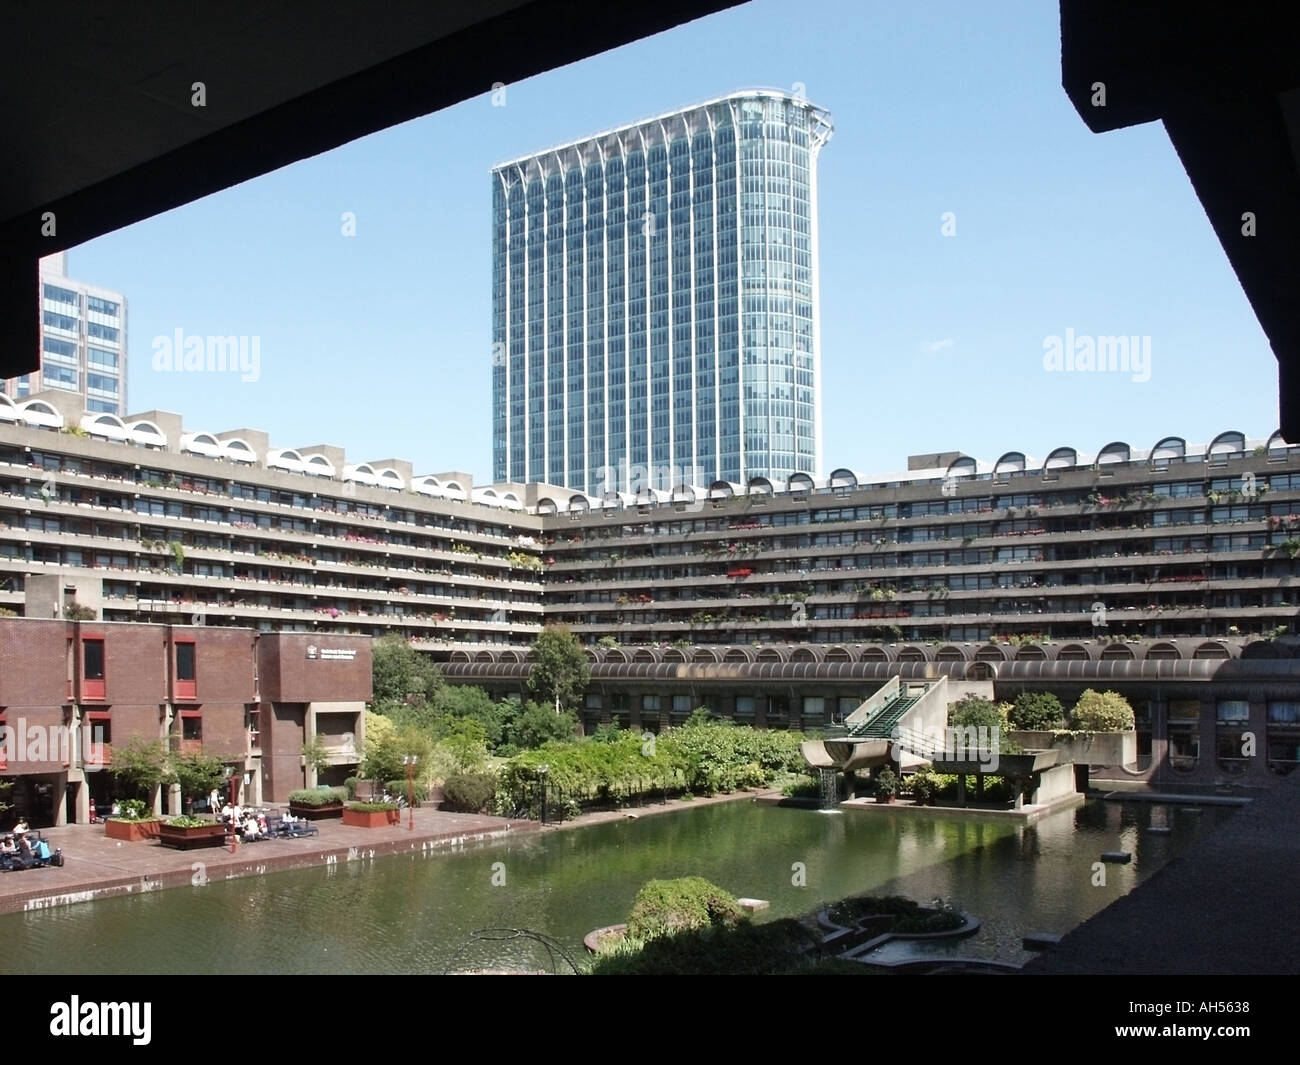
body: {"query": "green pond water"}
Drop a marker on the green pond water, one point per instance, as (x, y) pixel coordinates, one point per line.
(411, 914)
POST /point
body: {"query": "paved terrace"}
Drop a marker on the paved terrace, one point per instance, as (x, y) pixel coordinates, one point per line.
(97, 867)
(1225, 906)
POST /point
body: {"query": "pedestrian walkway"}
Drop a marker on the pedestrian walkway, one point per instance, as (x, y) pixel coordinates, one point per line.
(97, 867)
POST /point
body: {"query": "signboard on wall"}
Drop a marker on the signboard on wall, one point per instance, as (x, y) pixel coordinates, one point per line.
(331, 654)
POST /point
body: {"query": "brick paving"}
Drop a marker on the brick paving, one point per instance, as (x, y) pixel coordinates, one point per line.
(96, 867)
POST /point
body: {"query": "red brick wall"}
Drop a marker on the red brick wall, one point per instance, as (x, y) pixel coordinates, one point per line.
(134, 660)
(24, 723)
(33, 662)
(289, 675)
(282, 735)
(223, 660)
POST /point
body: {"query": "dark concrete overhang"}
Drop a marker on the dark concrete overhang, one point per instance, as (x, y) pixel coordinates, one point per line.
(101, 128)
(1225, 81)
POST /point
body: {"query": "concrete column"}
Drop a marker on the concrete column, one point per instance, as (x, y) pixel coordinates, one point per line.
(156, 800)
(1257, 768)
(61, 800)
(174, 806)
(81, 801)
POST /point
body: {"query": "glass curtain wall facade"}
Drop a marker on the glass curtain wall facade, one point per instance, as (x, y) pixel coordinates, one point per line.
(83, 342)
(654, 301)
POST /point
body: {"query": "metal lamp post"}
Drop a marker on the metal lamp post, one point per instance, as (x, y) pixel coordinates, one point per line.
(409, 761)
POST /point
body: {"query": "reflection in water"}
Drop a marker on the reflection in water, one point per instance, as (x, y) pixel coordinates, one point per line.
(413, 915)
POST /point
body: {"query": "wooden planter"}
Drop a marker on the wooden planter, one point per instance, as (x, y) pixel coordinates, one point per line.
(316, 813)
(213, 835)
(371, 818)
(131, 831)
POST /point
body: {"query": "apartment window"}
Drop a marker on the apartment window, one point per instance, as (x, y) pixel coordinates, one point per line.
(186, 670)
(650, 703)
(745, 705)
(814, 708)
(1184, 734)
(92, 668)
(191, 727)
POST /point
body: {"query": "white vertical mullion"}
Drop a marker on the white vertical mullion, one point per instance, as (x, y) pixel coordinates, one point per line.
(740, 295)
(814, 265)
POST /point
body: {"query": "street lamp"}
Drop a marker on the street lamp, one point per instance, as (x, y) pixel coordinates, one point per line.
(409, 761)
(542, 770)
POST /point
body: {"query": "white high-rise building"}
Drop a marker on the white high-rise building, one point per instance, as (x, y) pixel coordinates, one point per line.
(83, 341)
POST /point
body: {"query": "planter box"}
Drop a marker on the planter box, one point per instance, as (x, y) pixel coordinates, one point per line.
(131, 831)
(213, 835)
(316, 813)
(1087, 748)
(371, 818)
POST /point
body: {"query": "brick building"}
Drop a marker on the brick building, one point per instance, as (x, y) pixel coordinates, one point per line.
(71, 690)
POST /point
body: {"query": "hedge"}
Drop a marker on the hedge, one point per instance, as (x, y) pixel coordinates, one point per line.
(318, 796)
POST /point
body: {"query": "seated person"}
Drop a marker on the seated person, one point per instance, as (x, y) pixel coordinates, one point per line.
(8, 846)
(25, 849)
(250, 829)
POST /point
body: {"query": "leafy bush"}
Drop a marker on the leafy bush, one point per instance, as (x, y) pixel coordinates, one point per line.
(198, 773)
(350, 786)
(923, 783)
(188, 822)
(851, 910)
(975, 710)
(316, 797)
(771, 948)
(399, 787)
(1036, 711)
(666, 907)
(1102, 712)
(372, 807)
(801, 787)
(133, 809)
(886, 783)
(538, 723)
(468, 792)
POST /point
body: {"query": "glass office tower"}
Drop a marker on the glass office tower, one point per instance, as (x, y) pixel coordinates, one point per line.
(83, 341)
(654, 301)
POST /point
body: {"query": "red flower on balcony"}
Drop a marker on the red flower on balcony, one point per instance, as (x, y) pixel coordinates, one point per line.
(743, 571)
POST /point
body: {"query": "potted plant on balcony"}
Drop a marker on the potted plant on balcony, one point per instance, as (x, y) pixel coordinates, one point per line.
(316, 804)
(371, 814)
(886, 786)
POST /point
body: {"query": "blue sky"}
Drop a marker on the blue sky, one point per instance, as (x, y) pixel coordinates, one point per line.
(380, 342)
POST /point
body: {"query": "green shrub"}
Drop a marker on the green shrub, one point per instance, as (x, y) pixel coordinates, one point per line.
(468, 792)
(923, 783)
(1102, 712)
(886, 783)
(747, 949)
(134, 809)
(372, 807)
(974, 710)
(350, 786)
(666, 907)
(399, 787)
(318, 796)
(1036, 711)
(801, 787)
(188, 822)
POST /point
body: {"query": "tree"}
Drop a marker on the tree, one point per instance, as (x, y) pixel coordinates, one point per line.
(140, 765)
(1102, 712)
(387, 749)
(561, 671)
(976, 710)
(316, 755)
(197, 773)
(538, 723)
(1036, 711)
(400, 674)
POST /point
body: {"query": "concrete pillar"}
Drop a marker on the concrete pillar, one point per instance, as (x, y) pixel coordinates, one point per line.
(60, 800)
(156, 800)
(174, 800)
(1257, 772)
(81, 801)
